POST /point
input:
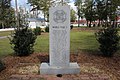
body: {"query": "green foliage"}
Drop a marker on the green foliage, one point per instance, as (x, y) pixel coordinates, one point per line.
(37, 31)
(2, 66)
(7, 14)
(23, 38)
(90, 11)
(73, 16)
(94, 10)
(42, 5)
(46, 29)
(23, 41)
(108, 39)
(78, 3)
(71, 27)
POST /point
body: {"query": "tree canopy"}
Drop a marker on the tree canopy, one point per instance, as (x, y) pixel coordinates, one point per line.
(78, 4)
(44, 5)
(102, 10)
(73, 15)
(7, 16)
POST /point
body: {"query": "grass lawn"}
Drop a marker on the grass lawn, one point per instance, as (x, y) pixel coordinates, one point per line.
(5, 47)
(79, 40)
(83, 40)
(5, 33)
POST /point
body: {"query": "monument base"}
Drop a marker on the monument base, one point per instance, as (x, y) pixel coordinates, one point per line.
(45, 68)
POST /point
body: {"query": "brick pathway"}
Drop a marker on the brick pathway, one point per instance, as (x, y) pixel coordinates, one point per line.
(54, 77)
(34, 77)
(88, 72)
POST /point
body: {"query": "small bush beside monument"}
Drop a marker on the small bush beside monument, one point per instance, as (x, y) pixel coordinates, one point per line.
(37, 31)
(23, 41)
(23, 38)
(108, 39)
(46, 29)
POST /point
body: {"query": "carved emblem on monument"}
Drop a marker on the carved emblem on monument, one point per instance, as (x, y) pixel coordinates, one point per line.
(59, 16)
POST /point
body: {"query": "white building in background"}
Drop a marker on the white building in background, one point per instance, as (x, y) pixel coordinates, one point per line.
(33, 17)
(36, 22)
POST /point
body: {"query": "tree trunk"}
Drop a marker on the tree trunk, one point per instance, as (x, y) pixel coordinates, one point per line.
(44, 17)
(90, 23)
(99, 23)
(78, 21)
(102, 24)
(113, 23)
(87, 23)
(3, 25)
(116, 22)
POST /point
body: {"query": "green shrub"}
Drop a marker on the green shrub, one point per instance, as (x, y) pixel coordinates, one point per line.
(37, 31)
(71, 27)
(23, 40)
(118, 29)
(47, 29)
(108, 39)
(2, 66)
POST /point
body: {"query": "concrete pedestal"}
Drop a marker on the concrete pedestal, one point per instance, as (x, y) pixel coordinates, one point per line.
(73, 68)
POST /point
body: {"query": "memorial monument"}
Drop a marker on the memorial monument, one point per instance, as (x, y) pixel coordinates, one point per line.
(59, 41)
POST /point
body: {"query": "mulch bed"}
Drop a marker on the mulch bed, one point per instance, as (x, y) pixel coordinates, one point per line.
(92, 66)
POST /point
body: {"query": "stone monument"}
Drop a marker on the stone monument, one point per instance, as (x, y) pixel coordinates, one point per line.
(59, 49)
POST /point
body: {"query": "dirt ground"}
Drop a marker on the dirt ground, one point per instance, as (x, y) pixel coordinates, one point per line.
(92, 67)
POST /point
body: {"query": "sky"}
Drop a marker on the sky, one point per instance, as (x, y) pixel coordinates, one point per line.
(23, 3)
(20, 2)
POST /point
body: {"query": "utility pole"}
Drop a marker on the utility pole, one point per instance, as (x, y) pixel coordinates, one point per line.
(17, 16)
(62, 2)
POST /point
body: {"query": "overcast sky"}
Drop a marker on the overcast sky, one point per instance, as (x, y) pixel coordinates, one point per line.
(20, 2)
(23, 3)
